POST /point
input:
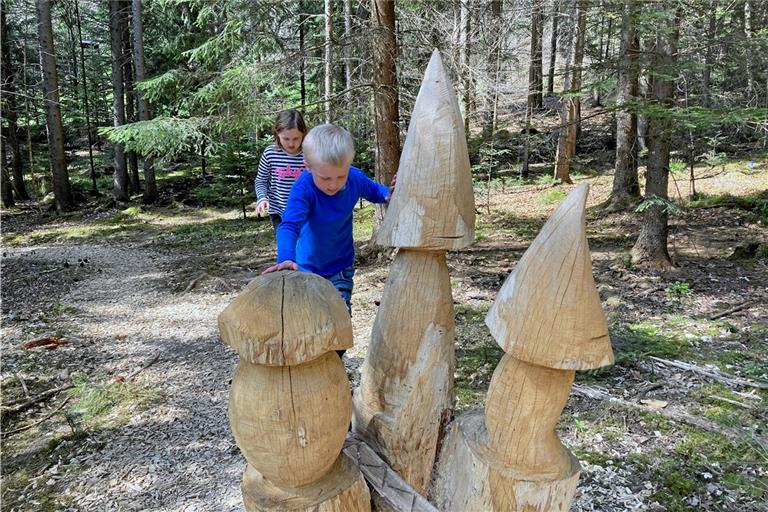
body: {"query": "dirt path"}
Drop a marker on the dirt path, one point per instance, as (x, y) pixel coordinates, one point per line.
(179, 454)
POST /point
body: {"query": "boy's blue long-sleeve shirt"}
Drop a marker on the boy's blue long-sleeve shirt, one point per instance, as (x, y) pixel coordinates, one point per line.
(316, 231)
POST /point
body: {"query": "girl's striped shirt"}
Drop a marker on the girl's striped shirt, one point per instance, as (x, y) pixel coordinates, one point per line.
(277, 172)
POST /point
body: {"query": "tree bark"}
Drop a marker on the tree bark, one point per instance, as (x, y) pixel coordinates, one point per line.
(709, 55)
(553, 49)
(465, 50)
(626, 189)
(302, 56)
(130, 96)
(328, 89)
(385, 95)
(62, 190)
(535, 67)
(493, 69)
(150, 184)
(120, 181)
(569, 112)
(6, 190)
(650, 250)
(347, 44)
(85, 100)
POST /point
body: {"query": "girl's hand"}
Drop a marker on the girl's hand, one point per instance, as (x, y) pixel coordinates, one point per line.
(262, 207)
(286, 265)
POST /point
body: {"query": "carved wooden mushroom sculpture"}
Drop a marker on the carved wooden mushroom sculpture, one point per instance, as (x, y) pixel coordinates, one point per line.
(406, 386)
(548, 319)
(290, 404)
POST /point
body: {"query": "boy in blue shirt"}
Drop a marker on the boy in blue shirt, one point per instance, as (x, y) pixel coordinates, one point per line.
(316, 232)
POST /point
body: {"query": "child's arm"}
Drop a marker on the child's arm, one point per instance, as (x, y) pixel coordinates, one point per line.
(376, 192)
(297, 211)
(261, 184)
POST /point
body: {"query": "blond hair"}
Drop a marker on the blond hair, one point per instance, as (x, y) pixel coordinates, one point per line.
(329, 144)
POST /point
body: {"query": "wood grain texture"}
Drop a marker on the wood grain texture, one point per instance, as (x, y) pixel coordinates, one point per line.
(522, 408)
(433, 204)
(286, 318)
(469, 476)
(290, 422)
(548, 311)
(406, 386)
(342, 489)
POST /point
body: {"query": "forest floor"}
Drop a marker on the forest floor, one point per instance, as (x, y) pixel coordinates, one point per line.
(116, 309)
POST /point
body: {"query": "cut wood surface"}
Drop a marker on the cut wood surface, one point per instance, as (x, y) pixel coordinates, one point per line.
(433, 203)
(469, 477)
(395, 491)
(290, 422)
(406, 381)
(548, 311)
(286, 318)
(523, 406)
(342, 489)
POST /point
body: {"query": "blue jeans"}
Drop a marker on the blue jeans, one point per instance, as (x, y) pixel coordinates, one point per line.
(343, 281)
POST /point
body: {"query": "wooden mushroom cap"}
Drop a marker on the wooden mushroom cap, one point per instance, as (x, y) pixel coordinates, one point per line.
(548, 311)
(286, 318)
(433, 204)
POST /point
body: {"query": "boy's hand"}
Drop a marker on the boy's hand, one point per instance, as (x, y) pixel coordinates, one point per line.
(262, 207)
(286, 265)
(391, 188)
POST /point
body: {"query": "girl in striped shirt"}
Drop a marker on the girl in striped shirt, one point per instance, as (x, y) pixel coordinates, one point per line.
(280, 165)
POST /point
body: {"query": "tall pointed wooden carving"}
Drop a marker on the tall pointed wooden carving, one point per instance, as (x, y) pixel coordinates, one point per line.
(406, 389)
(289, 404)
(548, 319)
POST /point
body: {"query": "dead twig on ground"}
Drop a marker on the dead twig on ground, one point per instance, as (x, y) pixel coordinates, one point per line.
(30, 425)
(23, 384)
(730, 401)
(193, 282)
(729, 311)
(679, 416)
(712, 374)
(131, 376)
(12, 409)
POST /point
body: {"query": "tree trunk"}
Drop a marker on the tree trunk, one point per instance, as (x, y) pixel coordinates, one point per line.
(62, 191)
(347, 44)
(535, 66)
(85, 100)
(626, 189)
(328, 89)
(385, 95)
(6, 190)
(569, 112)
(553, 50)
(465, 50)
(650, 250)
(130, 96)
(9, 112)
(492, 69)
(302, 56)
(150, 184)
(120, 180)
(709, 55)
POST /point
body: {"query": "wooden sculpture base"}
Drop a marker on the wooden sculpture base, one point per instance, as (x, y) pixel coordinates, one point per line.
(343, 489)
(470, 477)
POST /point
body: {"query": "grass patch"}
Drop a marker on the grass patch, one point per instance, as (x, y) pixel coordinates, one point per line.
(362, 223)
(100, 402)
(755, 203)
(552, 196)
(477, 355)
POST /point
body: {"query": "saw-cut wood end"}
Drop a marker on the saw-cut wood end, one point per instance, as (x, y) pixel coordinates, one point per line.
(433, 205)
(548, 311)
(286, 318)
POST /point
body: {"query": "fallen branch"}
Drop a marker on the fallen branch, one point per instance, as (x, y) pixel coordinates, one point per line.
(732, 434)
(729, 311)
(42, 396)
(712, 374)
(193, 282)
(30, 425)
(389, 485)
(23, 384)
(730, 401)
